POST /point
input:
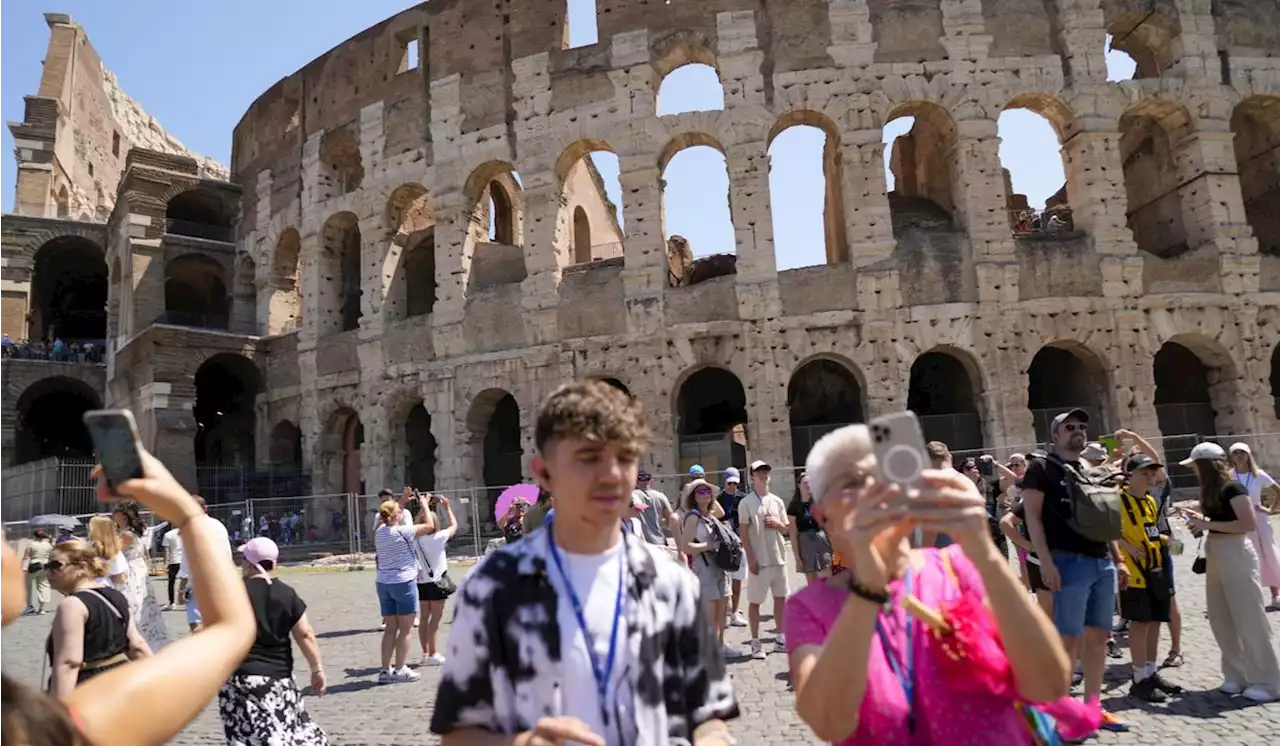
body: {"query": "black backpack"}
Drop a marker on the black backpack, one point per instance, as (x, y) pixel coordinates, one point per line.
(728, 552)
(1094, 496)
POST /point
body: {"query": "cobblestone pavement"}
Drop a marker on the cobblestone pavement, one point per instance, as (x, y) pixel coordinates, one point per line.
(358, 711)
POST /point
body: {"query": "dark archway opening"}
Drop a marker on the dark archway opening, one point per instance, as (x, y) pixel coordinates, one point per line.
(195, 293)
(50, 420)
(502, 451)
(226, 386)
(286, 445)
(69, 288)
(712, 412)
(420, 276)
(340, 287)
(943, 396)
(823, 395)
(200, 214)
(502, 216)
(1059, 380)
(420, 470)
(352, 439)
(1183, 404)
(581, 236)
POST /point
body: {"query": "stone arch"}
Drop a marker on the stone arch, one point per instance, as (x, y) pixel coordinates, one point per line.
(199, 213)
(341, 162)
(413, 434)
(494, 428)
(1025, 114)
(711, 419)
(62, 202)
(1146, 30)
(340, 457)
(69, 289)
(833, 223)
(710, 176)
(1255, 121)
(49, 419)
(410, 260)
(1149, 134)
(284, 312)
(494, 191)
(1063, 375)
(339, 294)
(925, 191)
(227, 385)
(1195, 380)
(195, 292)
(245, 294)
(286, 445)
(581, 235)
(824, 394)
(945, 391)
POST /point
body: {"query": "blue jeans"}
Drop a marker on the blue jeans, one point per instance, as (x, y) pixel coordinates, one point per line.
(398, 599)
(1087, 597)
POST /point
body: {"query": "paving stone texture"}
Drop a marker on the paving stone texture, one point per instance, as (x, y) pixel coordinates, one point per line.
(358, 711)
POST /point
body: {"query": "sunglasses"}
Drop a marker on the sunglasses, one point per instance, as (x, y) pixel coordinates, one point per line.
(702, 491)
(1073, 427)
(1016, 464)
(54, 565)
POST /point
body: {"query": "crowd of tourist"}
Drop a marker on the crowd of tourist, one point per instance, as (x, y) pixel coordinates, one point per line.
(56, 350)
(602, 619)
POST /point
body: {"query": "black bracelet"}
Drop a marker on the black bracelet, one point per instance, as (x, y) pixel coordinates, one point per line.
(879, 598)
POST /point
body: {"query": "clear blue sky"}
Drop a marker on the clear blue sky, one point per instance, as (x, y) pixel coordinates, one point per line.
(196, 67)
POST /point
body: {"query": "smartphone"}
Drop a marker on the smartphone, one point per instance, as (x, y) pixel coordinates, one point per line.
(986, 467)
(1109, 442)
(898, 443)
(116, 443)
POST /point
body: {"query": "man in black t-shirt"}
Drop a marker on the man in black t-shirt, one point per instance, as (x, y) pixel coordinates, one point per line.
(1082, 574)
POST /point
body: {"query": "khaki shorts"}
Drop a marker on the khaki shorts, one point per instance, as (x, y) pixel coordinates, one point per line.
(770, 581)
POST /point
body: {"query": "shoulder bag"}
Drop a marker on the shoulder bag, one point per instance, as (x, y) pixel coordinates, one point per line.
(444, 582)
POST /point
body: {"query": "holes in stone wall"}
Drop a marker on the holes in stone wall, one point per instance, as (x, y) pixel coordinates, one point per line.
(580, 24)
(341, 165)
(805, 194)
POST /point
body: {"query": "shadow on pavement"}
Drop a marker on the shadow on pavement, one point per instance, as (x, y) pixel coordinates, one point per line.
(1204, 705)
(345, 633)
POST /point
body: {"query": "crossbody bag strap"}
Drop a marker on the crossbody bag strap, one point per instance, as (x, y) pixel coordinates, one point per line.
(419, 555)
(104, 600)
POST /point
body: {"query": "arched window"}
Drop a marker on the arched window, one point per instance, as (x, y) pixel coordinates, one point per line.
(944, 395)
(805, 192)
(69, 291)
(1256, 124)
(226, 388)
(340, 291)
(411, 221)
(1064, 377)
(921, 179)
(711, 412)
(1030, 130)
(591, 200)
(201, 214)
(195, 292)
(694, 176)
(49, 422)
(1152, 179)
(822, 396)
(690, 87)
(581, 235)
(502, 217)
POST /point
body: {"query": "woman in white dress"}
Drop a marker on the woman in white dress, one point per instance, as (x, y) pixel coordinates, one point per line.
(137, 588)
(1261, 488)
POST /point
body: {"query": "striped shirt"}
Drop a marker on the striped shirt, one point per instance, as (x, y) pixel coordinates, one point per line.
(396, 560)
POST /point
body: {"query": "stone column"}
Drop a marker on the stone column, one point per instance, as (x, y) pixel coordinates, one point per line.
(1212, 205)
(645, 271)
(852, 36)
(1081, 25)
(1095, 190)
(1195, 47)
(456, 234)
(546, 252)
(757, 266)
(966, 30)
(978, 189)
(868, 219)
(373, 246)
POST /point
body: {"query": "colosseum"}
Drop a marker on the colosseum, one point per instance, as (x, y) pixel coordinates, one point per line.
(412, 247)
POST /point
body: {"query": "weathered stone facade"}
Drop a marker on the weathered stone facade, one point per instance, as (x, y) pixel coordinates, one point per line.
(346, 169)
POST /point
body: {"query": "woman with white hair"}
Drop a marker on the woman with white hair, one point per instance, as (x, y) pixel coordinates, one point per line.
(1259, 483)
(1250, 663)
(867, 665)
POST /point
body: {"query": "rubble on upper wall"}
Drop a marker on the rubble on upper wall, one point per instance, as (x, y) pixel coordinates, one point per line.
(143, 131)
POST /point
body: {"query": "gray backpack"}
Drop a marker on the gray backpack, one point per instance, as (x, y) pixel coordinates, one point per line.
(1096, 512)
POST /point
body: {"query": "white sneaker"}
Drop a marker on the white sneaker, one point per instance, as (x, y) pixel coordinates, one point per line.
(415, 622)
(780, 645)
(167, 607)
(757, 650)
(386, 676)
(404, 673)
(737, 620)
(1231, 687)
(435, 659)
(1257, 693)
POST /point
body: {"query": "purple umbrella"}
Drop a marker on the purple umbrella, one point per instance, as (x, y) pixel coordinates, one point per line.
(526, 492)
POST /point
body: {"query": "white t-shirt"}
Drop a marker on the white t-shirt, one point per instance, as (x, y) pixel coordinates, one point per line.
(595, 580)
(173, 554)
(222, 540)
(431, 547)
(1255, 483)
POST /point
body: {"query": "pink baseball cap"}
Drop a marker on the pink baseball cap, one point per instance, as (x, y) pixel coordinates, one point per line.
(257, 550)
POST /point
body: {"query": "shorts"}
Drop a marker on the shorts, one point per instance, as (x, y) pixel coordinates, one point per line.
(741, 572)
(432, 592)
(1033, 575)
(398, 599)
(1166, 560)
(1088, 594)
(770, 581)
(1143, 605)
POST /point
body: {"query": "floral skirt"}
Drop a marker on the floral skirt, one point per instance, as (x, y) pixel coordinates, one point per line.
(266, 711)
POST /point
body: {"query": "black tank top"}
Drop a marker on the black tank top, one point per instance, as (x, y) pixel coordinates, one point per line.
(105, 631)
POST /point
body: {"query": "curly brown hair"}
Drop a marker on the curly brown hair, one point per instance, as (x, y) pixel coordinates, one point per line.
(593, 410)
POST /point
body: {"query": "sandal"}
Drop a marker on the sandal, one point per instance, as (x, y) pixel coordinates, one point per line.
(1173, 660)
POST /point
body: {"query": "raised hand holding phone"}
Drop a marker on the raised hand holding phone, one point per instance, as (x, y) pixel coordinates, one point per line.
(116, 443)
(898, 443)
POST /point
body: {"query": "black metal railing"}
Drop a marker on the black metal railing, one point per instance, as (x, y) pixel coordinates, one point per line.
(218, 321)
(207, 231)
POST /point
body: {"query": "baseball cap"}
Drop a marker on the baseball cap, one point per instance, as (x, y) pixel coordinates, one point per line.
(1241, 447)
(1139, 461)
(1204, 452)
(643, 476)
(732, 476)
(697, 471)
(257, 550)
(1070, 414)
(759, 464)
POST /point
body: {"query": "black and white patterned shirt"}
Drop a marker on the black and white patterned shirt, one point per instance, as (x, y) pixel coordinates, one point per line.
(504, 667)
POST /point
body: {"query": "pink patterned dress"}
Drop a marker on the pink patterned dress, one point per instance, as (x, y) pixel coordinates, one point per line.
(943, 716)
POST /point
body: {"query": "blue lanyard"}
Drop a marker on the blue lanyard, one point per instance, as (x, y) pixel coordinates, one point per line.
(601, 672)
(906, 678)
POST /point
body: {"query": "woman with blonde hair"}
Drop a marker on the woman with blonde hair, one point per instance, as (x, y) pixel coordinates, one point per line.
(93, 631)
(106, 542)
(1250, 663)
(397, 584)
(1260, 484)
